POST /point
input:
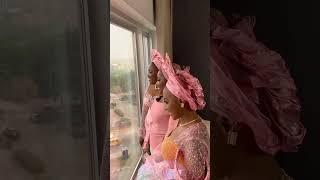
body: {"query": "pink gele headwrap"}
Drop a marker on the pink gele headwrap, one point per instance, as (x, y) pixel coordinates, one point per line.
(158, 60)
(183, 85)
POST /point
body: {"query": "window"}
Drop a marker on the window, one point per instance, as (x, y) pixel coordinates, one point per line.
(44, 130)
(125, 149)
(146, 52)
(130, 45)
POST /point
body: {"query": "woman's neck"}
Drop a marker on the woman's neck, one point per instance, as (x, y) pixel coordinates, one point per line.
(157, 92)
(188, 116)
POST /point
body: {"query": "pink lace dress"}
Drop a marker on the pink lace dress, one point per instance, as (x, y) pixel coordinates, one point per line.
(185, 157)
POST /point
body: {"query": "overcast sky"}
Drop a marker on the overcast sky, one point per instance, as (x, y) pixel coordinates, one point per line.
(121, 43)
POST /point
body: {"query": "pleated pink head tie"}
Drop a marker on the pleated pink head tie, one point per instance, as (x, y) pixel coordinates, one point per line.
(158, 60)
(183, 85)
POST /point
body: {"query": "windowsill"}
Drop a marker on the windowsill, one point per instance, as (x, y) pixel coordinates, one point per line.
(136, 169)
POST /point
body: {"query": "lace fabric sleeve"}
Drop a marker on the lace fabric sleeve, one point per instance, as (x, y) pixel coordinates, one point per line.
(196, 155)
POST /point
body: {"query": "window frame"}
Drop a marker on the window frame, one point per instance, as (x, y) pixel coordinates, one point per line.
(83, 15)
(148, 62)
(121, 19)
(88, 87)
(96, 39)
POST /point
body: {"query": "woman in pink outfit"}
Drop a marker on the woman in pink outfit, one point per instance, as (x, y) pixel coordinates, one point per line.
(148, 99)
(156, 119)
(184, 152)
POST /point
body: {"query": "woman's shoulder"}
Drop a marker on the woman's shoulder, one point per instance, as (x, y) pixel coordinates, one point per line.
(201, 129)
(197, 131)
(202, 125)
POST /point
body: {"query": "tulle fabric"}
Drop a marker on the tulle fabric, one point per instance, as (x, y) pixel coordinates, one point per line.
(252, 85)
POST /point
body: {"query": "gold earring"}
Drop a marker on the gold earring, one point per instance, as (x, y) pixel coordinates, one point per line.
(182, 105)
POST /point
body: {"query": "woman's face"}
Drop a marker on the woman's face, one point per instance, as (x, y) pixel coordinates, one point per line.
(172, 104)
(161, 82)
(152, 73)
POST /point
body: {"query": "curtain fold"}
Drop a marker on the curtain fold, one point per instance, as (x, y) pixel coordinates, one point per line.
(163, 21)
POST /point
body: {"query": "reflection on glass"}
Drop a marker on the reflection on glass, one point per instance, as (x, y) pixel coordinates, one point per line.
(43, 133)
(124, 146)
(146, 50)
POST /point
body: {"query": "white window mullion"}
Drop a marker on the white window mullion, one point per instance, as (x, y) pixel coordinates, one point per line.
(140, 65)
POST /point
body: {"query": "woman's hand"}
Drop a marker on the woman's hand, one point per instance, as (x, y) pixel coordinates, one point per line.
(144, 157)
(141, 141)
(145, 150)
(141, 135)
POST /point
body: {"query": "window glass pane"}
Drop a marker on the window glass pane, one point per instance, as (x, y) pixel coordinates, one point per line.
(125, 150)
(43, 130)
(147, 61)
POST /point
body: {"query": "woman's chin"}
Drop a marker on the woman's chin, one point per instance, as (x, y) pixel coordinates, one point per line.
(152, 81)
